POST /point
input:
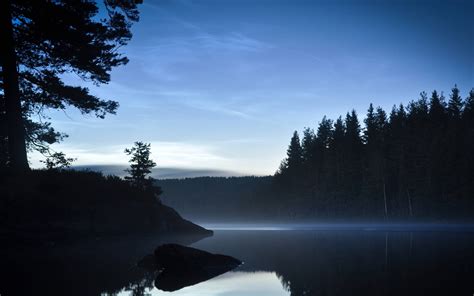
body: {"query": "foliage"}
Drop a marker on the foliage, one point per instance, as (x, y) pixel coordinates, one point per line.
(416, 161)
(58, 160)
(140, 164)
(47, 40)
(70, 204)
(294, 156)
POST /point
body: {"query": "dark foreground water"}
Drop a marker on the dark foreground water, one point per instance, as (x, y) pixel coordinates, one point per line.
(278, 261)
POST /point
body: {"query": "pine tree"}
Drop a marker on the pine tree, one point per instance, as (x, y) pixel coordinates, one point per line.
(41, 41)
(140, 164)
(324, 133)
(468, 112)
(468, 146)
(353, 130)
(337, 151)
(380, 123)
(353, 155)
(338, 134)
(295, 153)
(369, 131)
(307, 146)
(437, 107)
(410, 164)
(455, 103)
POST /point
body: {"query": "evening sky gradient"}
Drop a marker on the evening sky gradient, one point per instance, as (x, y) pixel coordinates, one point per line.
(223, 84)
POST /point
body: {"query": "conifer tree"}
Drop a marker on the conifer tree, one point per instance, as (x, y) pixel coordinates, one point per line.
(337, 150)
(353, 129)
(307, 146)
(455, 103)
(140, 164)
(468, 112)
(369, 131)
(407, 165)
(437, 107)
(338, 134)
(324, 133)
(294, 153)
(41, 41)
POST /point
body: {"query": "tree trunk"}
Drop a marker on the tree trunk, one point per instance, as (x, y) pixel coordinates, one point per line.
(18, 161)
(385, 200)
(410, 209)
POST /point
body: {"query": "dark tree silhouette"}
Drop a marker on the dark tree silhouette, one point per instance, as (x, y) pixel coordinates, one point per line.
(455, 103)
(292, 163)
(415, 162)
(307, 145)
(468, 113)
(140, 164)
(42, 40)
(437, 107)
(58, 161)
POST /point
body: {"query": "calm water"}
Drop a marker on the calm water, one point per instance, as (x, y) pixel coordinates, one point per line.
(277, 261)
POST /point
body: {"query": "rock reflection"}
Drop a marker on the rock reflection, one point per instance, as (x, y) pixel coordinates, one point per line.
(230, 283)
(180, 266)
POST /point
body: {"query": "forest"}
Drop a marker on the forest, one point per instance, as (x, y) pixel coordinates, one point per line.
(413, 163)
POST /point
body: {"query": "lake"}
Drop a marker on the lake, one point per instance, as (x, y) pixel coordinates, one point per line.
(278, 260)
(338, 260)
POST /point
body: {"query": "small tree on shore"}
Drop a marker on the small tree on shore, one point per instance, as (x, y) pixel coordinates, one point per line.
(57, 161)
(140, 164)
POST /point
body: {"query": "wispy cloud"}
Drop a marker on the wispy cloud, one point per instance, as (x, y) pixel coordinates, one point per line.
(213, 155)
(229, 42)
(184, 154)
(192, 48)
(168, 154)
(214, 106)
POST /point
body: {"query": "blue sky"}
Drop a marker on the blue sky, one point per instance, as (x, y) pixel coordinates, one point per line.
(223, 84)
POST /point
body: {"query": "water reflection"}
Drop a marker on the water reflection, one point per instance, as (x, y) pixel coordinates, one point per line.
(296, 262)
(231, 283)
(356, 262)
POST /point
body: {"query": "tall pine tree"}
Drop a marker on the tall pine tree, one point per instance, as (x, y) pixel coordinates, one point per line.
(41, 41)
(455, 103)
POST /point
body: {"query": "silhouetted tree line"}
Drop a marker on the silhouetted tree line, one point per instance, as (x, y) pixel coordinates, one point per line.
(415, 161)
(57, 205)
(218, 198)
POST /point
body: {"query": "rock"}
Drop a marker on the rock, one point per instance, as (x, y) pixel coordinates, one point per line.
(148, 262)
(182, 266)
(174, 256)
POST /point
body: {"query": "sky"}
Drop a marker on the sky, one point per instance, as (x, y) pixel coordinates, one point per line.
(222, 85)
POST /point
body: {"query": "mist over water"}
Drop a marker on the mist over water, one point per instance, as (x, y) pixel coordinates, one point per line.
(339, 259)
(278, 259)
(339, 226)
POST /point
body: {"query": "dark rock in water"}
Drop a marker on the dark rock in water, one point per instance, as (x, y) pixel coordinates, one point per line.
(148, 262)
(182, 266)
(174, 256)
